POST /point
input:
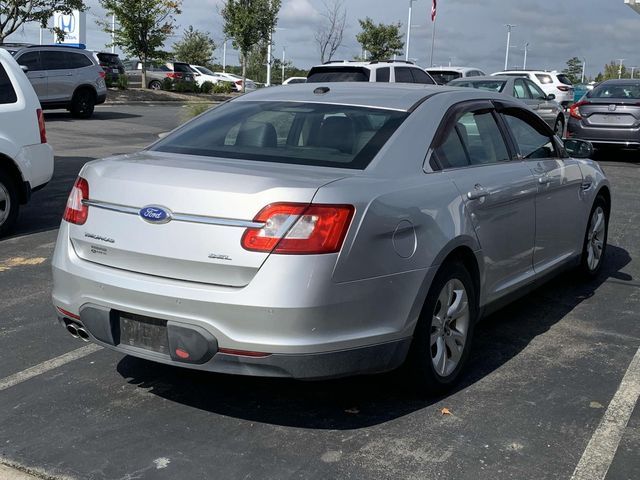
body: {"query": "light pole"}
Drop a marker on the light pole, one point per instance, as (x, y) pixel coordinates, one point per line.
(113, 33)
(506, 57)
(224, 56)
(584, 69)
(269, 58)
(284, 50)
(633, 69)
(620, 67)
(526, 50)
(406, 57)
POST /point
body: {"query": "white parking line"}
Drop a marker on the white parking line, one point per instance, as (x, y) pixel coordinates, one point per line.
(598, 455)
(44, 367)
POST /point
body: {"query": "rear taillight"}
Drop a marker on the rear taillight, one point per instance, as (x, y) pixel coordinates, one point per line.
(174, 75)
(76, 211)
(102, 74)
(239, 83)
(299, 229)
(574, 110)
(41, 127)
(564, 89)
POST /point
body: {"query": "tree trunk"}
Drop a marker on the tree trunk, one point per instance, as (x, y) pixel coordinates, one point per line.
(244, 72)
(144, 72)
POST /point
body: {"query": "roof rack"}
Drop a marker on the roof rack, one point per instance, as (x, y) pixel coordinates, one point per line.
(392, 61)
(337, 61)
(80, 46)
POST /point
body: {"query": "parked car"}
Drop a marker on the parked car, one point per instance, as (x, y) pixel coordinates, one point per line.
(524, 90)
(307, 232)
(112, 66)
(551, 82)
(63, 77)
(294, 80)
(237, 81)
(26, 159)
(443, 75)
(608, 115)
(158, 73)
(394, 71)
(203, 74)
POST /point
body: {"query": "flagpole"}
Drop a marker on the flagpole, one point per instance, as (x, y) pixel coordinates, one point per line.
(433, 39)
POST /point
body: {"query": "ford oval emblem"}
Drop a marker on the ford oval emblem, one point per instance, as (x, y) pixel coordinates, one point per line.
(155, 214)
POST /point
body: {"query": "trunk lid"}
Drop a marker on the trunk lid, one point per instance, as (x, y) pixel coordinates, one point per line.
(211, 201)
(611, 113)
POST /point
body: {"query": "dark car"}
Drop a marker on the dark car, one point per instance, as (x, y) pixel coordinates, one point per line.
(112, 66)
(608, 115)
(158, 74)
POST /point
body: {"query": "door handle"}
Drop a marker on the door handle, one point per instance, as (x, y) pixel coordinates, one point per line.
(544, 180)
(478, 193)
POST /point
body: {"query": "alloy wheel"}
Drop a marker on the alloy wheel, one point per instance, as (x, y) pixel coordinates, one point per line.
(595, 238)
(449, 327)
(5, 204)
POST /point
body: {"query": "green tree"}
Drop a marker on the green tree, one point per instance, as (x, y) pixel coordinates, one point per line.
(15, 13)
(381, 41)
(248, 23)
(613, 70)
(195, 47)
(142, 27)
(574, 70)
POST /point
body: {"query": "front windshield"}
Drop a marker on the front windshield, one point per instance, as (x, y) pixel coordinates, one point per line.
(315, 134)
(205, 71)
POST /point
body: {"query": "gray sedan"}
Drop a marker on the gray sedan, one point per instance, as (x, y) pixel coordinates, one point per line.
(315, 231)
(524, 90)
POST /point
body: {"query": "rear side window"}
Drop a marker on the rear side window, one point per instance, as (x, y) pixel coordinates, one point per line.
(55, 60)
(403, 75)
(382, 74)
(421, 77)
(31, 60)
(564, 79)
(77, 60)
(7, 92)
(284, 132)
(338, 74)
(544, 79)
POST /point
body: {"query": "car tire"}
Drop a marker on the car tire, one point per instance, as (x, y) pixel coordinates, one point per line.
(595, 239)
(9, 203)
(83, 104)
(444, 332)
(155, 85)
(558, 127)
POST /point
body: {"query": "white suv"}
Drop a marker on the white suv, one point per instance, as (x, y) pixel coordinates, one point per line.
(390, 71)
(26, 159)
(550, 82)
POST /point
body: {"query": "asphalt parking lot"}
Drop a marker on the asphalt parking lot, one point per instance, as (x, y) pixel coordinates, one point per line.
(543, 373)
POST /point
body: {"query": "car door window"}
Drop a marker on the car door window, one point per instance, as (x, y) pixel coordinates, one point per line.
(7, 92)
(383, 74)
(77, 60)
(55, 61)
(474, 139)
(535, 91)
(403, 75)
(531, 137)
(420, 76)
(31, 60)
(520, 89)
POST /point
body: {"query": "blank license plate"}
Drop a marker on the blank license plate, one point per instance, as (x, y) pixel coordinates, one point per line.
(604, 119)
(144, 332)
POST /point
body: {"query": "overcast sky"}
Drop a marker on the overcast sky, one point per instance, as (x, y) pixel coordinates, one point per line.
(469, 32)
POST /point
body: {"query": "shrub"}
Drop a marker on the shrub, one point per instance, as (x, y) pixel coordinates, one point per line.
(167, 84)
(223, 87)
(206, 87)
(195, 109)
(123, 82)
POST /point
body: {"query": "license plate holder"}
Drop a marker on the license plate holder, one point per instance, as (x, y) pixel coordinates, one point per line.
(144, 332)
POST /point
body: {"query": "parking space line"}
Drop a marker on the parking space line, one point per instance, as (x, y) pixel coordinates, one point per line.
(601, 449)
(48, 365)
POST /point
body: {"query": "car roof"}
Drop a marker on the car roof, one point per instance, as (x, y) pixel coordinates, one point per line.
(451, 69)
(368, 64)
(545, 72)
(390, 96)
(485, 77)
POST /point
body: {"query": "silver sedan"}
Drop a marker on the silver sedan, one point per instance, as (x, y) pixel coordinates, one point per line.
(316, 231)
(524, 90)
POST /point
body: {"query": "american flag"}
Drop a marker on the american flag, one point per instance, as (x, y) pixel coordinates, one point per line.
(433, 10)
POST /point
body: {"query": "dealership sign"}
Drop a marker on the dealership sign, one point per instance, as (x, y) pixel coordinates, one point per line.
(73, 25)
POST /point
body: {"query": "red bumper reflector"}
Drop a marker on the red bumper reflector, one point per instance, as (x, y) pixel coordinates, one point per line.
(242, 353)
(68, 314)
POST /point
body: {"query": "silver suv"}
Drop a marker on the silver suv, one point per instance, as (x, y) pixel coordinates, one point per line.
(63, 77)
(388, 71)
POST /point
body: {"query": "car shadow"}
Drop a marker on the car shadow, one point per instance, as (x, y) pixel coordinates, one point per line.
(62, 116)
(364, 401)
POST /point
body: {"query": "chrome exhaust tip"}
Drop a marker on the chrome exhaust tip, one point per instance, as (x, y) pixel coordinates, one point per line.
(73, 330)
(82, 333)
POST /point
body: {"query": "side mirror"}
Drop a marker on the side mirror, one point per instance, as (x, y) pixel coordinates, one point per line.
(24, 68)
(578, 148)
(550, 97)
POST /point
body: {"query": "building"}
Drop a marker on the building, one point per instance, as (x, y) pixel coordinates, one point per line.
(635, 4)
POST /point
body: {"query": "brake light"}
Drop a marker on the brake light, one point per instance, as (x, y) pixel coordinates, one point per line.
(299, 229)
(174, 75)
(41, 127)
(563, 89)
(239, 82)
(574, 110)
(102, 74)
(77, 212)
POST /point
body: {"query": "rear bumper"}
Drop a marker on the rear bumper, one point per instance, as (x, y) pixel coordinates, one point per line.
(309, 328)
(36, 164)
(101, 98)
(629, 137)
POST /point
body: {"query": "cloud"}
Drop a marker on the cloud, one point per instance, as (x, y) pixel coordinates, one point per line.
(297, 13)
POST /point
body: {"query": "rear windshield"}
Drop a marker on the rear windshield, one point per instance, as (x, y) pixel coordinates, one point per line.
(443, 77)
(564, 79)
(285, 132)
(338, 74)
(488, 85)
(629, 90)
(109, 59)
